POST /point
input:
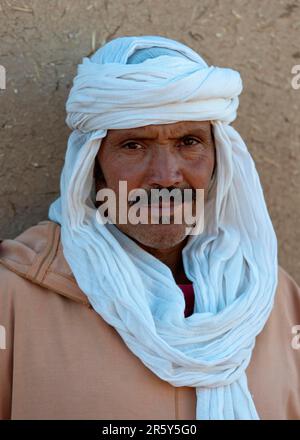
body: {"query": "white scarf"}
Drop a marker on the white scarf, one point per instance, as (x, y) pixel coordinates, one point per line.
(232, 264)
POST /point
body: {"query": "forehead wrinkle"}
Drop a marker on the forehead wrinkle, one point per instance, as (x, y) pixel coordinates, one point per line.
(147, 131)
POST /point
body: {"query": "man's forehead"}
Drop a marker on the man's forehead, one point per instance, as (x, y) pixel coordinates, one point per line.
(174, 129)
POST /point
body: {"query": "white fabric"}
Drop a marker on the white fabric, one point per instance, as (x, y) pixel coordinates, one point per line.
(232, 264)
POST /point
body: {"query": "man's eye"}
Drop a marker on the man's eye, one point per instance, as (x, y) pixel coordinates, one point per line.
(189, 140)
(131, 146)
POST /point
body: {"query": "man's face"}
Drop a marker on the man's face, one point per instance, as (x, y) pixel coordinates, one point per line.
(179, 155)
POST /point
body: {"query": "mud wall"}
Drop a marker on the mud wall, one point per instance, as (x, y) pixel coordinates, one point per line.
(41, 43)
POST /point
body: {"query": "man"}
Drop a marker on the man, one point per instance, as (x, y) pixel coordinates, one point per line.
(126, 320)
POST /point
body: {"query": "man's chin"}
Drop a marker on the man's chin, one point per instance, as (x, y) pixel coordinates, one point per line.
(157, 236)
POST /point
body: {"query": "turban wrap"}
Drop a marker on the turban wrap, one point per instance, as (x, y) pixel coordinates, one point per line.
(232, 263)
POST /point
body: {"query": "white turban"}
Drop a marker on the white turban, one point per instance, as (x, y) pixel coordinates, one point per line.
(232, 263)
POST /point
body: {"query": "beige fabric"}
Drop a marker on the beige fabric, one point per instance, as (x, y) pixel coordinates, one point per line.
(63, 361)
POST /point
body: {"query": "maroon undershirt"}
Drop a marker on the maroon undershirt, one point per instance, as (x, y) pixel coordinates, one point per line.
(188, 292)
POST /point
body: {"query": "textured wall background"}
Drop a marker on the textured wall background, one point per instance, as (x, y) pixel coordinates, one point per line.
(41, 43)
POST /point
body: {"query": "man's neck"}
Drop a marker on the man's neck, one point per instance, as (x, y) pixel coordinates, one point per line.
(171, 257)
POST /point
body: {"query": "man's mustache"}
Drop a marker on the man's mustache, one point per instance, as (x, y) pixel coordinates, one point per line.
(176, 193)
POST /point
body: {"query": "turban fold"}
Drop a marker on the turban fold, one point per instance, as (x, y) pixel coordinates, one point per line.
(138, 81)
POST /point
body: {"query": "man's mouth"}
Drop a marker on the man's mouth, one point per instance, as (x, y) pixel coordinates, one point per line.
(162, 209)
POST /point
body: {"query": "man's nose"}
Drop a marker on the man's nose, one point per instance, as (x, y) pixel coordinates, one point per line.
(164, 169)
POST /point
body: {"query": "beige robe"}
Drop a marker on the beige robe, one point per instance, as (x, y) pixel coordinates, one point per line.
(63, 361)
